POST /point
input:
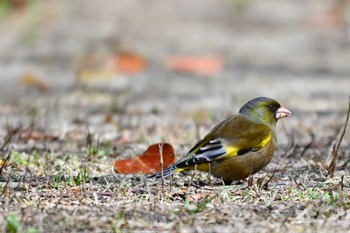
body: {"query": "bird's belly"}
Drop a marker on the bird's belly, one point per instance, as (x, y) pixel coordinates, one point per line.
(240, 167)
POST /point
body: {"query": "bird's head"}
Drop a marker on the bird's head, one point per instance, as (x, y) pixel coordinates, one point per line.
(264, 110)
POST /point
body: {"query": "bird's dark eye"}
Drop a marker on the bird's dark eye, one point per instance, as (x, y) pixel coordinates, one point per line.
(272, 107)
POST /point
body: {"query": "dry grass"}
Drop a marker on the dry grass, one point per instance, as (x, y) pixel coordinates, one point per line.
(65, 183)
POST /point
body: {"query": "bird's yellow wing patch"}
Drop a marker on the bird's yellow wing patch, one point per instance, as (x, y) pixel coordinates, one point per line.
(231, 151)
(234, 151)
(264, 142)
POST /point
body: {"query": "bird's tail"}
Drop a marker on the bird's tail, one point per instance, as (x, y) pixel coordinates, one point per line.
(166, 172)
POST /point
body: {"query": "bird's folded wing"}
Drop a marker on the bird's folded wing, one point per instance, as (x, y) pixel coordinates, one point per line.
(244, 135)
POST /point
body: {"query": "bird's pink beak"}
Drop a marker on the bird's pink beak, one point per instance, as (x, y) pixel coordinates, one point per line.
(282, 113)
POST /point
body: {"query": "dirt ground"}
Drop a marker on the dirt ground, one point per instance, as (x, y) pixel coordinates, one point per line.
(65, 117)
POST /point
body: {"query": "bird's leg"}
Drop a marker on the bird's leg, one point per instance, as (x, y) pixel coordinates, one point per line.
(250, 181)
(250, 178)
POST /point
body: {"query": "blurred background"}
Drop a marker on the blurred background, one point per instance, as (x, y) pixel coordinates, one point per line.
(173, 56)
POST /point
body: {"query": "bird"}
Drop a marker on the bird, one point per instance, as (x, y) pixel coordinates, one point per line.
(237, 147)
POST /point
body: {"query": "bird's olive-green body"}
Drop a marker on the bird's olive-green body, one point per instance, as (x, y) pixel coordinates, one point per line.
(237, 147)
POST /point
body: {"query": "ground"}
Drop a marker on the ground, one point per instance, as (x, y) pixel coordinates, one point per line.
(65, 117)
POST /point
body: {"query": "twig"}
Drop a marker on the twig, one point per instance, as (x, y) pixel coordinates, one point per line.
(296, 183)
(6, 187)
(160, 147)
(343, 166)
(193, 175)
(209, 174)
(265, 182)
(5, 161)
(345, 126)
(332, 166)
(341, 188)
(29, 129)
(8, 137)
(89, 138)
(171, 184)
(341, 182)
(198, 134)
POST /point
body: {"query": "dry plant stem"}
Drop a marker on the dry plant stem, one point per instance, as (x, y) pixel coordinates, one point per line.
(193, 175)
(5, 161)
(30, 129)
(341, 182)
(209, 174)
(6, 187)
(265, 182)
(8, 138)
(89, 137)
(198, 134)
(333, 164)
(250, 181)
(296, 183)
(160, 147)
(341, 189)
(345, 126)
(171, 183)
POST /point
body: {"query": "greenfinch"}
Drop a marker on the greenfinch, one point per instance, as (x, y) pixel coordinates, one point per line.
(239, 146)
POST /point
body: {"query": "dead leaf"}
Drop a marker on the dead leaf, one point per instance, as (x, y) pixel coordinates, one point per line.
(148, 162)
(74, 189)
(129, 63)
(31, 80)
(198, 196)
(109, 119)
(201, 65)
(75, 135)
(327, 18)
(37, 136)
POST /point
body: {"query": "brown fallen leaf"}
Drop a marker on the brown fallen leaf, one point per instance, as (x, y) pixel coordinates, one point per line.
(109, 118)
(31, 80)
(75, 135)
(36, 136)
(197, 196)
(74, 189)
(148, 162)
(201, 65)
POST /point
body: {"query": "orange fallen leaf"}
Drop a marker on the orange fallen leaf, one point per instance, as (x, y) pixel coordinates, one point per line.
(74, 189)
(31, 80)
(202, 65)
(148, 162)
(129, 63)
